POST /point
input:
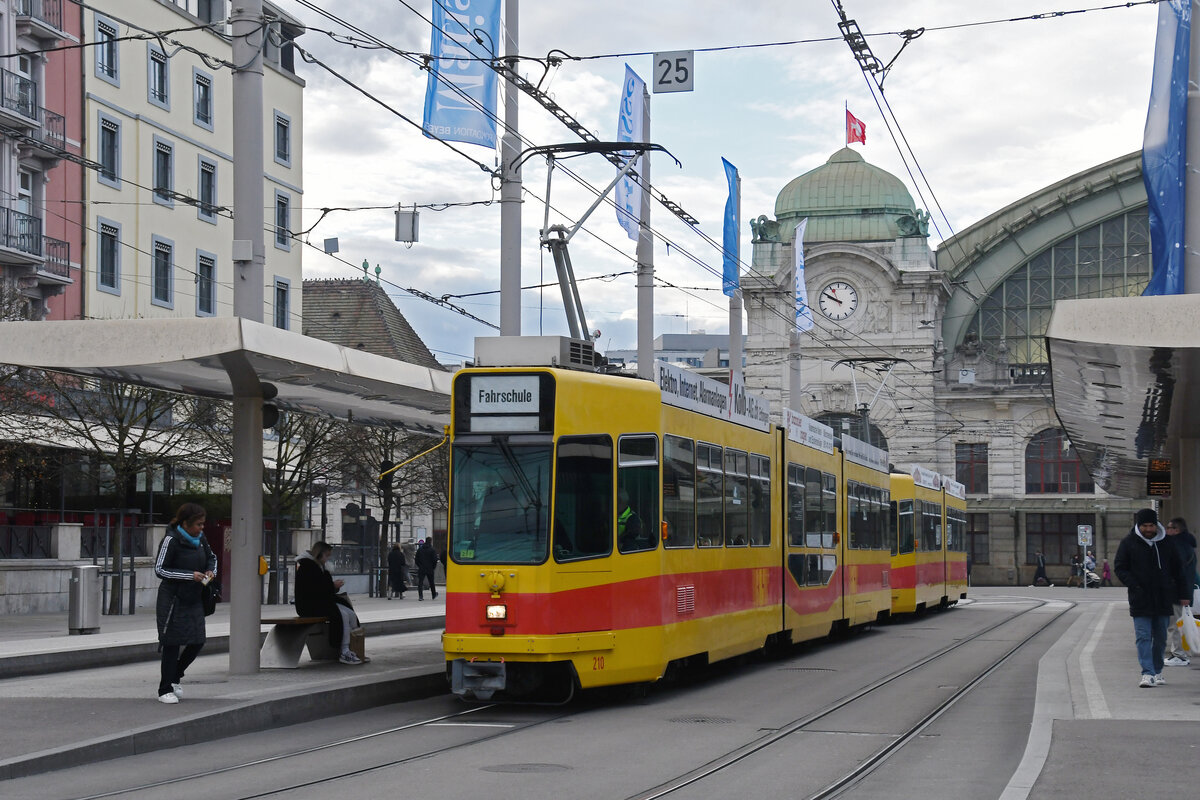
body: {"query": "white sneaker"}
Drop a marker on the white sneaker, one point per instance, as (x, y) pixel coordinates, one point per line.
(1176, 661)
(1147, 682)
(168, 698)
(349, 658)
(1159, 680)
(177, 690)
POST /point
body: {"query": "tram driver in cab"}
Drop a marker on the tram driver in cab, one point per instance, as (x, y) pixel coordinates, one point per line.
(630, 532)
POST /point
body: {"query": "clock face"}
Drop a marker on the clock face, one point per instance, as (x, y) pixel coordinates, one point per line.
(838, 300)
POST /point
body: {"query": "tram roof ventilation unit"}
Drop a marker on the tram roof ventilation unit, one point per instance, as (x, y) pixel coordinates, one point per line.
(536, 351)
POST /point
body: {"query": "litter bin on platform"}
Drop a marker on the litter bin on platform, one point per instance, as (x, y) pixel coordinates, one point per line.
(83, 610)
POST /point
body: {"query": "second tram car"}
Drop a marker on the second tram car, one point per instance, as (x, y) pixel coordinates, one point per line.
(605, 530)
(929, 568)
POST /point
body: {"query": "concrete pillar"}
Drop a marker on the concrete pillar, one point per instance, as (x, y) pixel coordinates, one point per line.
(64, 541)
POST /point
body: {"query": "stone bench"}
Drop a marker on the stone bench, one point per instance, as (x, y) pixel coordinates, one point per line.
(287, 638)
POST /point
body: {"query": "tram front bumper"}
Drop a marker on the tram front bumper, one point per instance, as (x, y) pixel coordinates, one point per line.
(478, 679)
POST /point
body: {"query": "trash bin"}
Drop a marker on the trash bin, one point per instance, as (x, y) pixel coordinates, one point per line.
(83, 611)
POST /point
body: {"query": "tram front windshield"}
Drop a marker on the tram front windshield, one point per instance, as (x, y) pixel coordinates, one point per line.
(501, 502)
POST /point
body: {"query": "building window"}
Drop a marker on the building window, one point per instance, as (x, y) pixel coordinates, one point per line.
(163, 267)
(1052, 466)
(158, 79)
(1108, 259)
(971, 466)
(283, 139)
(977, 538)
(110, 152)
(164, 172)
(282, 306)
(202, 99)
(1056, 535)
(107, 65)
(211, 10)
(207, 186)
(108, 267)
(283, 233)
(206, 284)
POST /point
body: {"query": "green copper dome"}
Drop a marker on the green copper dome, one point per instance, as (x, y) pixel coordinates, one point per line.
(848, 200)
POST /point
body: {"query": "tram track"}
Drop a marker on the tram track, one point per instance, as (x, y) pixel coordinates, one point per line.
(872, 762)
(663, 789)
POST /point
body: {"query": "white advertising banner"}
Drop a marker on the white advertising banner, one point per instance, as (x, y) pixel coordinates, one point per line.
(859, 452)
(807, 431)
(684, 389)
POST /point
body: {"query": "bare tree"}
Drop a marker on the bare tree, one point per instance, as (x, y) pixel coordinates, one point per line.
(129, 429)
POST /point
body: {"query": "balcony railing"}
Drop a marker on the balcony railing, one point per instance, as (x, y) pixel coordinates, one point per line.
(54, 129)
(48, 11)
(58, 257)
(19, 231)
(18, 93)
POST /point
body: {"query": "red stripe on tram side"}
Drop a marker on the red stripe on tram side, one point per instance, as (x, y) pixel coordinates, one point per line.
(815, 599)
(622, 605)
(904, 577)
(930, 573)
(957, 569)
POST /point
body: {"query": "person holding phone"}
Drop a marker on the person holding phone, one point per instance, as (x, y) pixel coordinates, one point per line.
(184, 564)
(319, 595)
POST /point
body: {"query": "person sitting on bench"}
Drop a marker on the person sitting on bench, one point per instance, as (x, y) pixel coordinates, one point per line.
(319, 595)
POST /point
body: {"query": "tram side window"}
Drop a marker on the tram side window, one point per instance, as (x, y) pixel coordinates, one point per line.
(829, 505)
(679, 491)
(583, 516)
(857, 515)
(828, 565)
(889, 521)
(760, 501)
(904, 525)
(930, 522)
(795, 505)
(737, 498)
(877, 518)
(957, 523)
(814, 514)
(709, 496)
(637, 493)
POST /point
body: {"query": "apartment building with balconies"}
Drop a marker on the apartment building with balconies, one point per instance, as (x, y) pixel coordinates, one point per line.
(39, 92)
(158, 114)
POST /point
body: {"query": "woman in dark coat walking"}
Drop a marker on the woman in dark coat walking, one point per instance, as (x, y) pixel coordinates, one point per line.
(396, 569)
(185, 563)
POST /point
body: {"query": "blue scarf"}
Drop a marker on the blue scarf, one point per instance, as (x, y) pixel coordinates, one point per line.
(194, 541)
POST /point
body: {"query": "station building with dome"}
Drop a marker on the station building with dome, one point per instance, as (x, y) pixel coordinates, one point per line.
(939, 356)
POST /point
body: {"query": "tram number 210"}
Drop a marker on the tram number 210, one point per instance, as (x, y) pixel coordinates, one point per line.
(597, 663)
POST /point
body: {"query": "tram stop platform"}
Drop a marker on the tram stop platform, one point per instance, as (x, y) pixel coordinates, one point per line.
(72, 700)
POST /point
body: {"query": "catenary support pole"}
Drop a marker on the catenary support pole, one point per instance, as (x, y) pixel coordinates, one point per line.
(249, 34)
(510, 188)
(645, 259)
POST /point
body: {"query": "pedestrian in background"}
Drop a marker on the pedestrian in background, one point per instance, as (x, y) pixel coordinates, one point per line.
(426, 560)
(1106, 574)
(1185, 545)
(1040, 574)
(396, 569)
(184, 564)
(1153, 576)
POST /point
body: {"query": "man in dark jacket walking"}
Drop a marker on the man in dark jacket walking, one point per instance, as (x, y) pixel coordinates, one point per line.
(426, 559)
(1153, 574)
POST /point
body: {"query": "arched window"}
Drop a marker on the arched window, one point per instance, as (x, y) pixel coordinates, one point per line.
(1108, 259)
(1053, 467)
(853, 425)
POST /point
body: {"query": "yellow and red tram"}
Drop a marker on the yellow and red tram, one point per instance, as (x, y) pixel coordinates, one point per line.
(604, 529)
(929, 568)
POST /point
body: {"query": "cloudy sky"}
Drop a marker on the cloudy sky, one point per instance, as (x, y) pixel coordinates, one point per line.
(993, 112)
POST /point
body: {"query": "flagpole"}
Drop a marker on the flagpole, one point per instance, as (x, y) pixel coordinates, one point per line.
(735, 299)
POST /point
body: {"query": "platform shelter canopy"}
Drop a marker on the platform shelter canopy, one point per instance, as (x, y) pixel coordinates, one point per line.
(223, 356)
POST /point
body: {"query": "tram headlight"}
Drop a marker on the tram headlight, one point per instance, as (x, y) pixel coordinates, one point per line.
(497, 611)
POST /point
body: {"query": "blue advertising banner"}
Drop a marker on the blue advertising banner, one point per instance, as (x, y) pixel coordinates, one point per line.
(729, 242)
(460, 98)
(628, 194)
(1163, 145)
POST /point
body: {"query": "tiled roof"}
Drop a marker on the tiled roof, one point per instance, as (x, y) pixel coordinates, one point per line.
(359, 314)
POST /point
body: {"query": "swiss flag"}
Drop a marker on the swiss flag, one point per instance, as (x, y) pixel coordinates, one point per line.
(856, 129)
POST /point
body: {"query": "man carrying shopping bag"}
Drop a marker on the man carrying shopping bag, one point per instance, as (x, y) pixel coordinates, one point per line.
(1153, 575)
